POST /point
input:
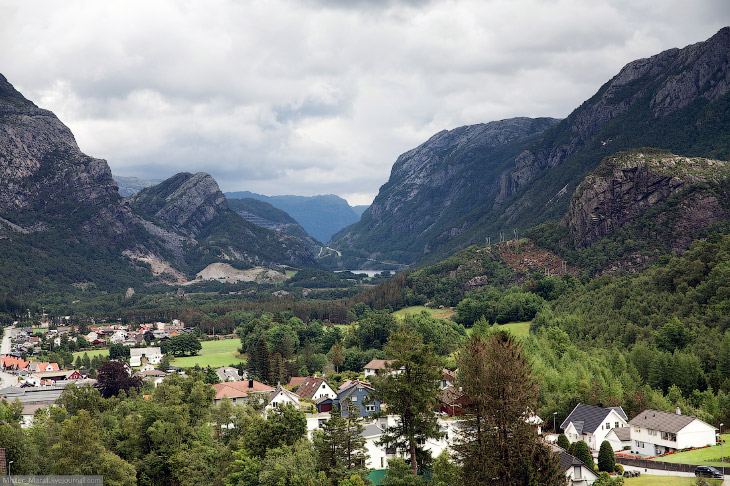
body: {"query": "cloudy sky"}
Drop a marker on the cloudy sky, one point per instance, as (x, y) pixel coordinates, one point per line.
(317, 97)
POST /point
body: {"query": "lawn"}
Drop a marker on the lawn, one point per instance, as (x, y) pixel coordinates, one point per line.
(92, 353)
(519, 329)
(651, 480)
(445, 313)
(709, 456)
(214, 354)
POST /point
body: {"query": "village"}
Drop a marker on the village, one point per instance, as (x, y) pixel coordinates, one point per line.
(37, 385)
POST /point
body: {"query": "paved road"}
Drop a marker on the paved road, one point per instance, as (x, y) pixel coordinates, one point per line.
(6, 379)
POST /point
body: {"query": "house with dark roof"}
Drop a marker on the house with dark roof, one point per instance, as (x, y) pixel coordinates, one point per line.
(591, 424)
(619, 438)
(575, 470)
(358, 392)
(313, 388)
(654, 432)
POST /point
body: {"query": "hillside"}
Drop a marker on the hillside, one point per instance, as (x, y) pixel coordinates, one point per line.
(320, 216)
(433, 186)
(190, 215)
(676, 100)
(130, 185)
(267, 216)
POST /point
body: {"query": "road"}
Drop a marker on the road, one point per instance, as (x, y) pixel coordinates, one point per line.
(6, 379)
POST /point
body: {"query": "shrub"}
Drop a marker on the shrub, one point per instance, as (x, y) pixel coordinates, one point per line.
(606, 460)
(582, 452)
(619, 469)
(563, 442)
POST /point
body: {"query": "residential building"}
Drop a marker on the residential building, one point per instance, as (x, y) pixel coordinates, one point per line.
(152, 355)
(619, 439)
(376, 366)
(228, 373)
(576, 471)
(313, 388)
(591, 424)
(654, 432)
(241, 391)
(40, 366)
(281, 397)
(358, 392)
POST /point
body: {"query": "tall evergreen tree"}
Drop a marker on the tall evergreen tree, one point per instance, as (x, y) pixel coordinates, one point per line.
(340, 447)
(606, 459)
(409, 388)
(259, 362)
(583, 452)
(495, 445)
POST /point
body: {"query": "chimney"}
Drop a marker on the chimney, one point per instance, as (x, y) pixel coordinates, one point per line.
(679, 412)
(250, 383)
(600, 404)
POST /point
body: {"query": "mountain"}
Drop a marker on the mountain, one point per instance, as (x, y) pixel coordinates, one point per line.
(320, 216)
(676, 100)
(130, 185)
(433, 187)
(63, 221)
(264, 214)
(190, 215)
(638, 205)
(359, 209)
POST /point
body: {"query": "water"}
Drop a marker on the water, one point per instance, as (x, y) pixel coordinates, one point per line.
(369, 273)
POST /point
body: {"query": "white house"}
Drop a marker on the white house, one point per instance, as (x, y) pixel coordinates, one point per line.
(376, 366)
(592, 424)
(654, 432)
(313, 388)
(619, 438)
(281, 397)
(576, 471)
(153, 356)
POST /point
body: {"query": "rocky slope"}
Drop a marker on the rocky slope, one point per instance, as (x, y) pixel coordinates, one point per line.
(62, 220)
(627, 185)
(266, 215)
(190, 215)
(130, 185)
(676, 100)
(435, 185)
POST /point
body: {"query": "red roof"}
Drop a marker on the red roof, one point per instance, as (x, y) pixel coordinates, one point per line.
(13, 362)
(239, 389)
(310, 386)
(296, 381)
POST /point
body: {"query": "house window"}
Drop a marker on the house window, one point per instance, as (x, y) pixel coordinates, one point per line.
(639, 444)
(354, 399)
(369, 408)
(608, 425)
(576, 472)
(617, 425)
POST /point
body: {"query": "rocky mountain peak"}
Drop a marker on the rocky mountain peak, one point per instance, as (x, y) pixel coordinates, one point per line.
(185, 201)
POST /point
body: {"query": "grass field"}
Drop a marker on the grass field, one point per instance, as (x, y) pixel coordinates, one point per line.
(214, 354)
(519, 329)
(651, 480)
(92, 353)
(709, 456)
(445, 313)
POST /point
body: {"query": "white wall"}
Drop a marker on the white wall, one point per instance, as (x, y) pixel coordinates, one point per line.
(696, 434)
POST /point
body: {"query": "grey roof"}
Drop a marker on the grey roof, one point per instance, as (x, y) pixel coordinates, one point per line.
(566, 461)
(371, 430)
(32, 395)
(587, 418)
(623, 433)
(663, 421)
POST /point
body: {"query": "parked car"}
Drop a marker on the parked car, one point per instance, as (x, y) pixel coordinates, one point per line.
(707, 472)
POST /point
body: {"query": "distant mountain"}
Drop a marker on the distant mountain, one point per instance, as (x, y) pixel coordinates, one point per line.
(433, 187)
(360, 209)
(63, 221)
(320, 216)
(190, 215)
(264, 214)
(676, 100)
(130, 185)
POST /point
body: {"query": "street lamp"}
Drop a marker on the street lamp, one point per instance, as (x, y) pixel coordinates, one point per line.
(9, 463)
(555, 431)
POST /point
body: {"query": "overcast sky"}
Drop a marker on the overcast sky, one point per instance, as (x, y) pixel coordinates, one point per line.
(316, 97)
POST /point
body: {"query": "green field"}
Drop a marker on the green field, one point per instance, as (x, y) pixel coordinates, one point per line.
(519, 329)
(214, 354)
(709, 456)
(445, 313)
(651, 480)
(92, 353)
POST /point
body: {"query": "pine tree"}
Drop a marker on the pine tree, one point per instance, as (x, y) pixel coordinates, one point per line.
(495, 445)
(409, 388)
(259, 363)
(339, 445)
(606, 459)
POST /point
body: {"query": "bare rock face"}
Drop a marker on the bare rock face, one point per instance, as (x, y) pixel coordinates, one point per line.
(670, 81)
(626, 185)
(44, 176)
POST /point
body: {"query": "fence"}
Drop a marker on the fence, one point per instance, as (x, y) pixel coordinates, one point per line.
(647, 464)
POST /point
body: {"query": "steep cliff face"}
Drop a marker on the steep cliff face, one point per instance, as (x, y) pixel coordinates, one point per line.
(631, 110)
(437, 184)
(44, 177)
(62, 220)
(627, 185)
